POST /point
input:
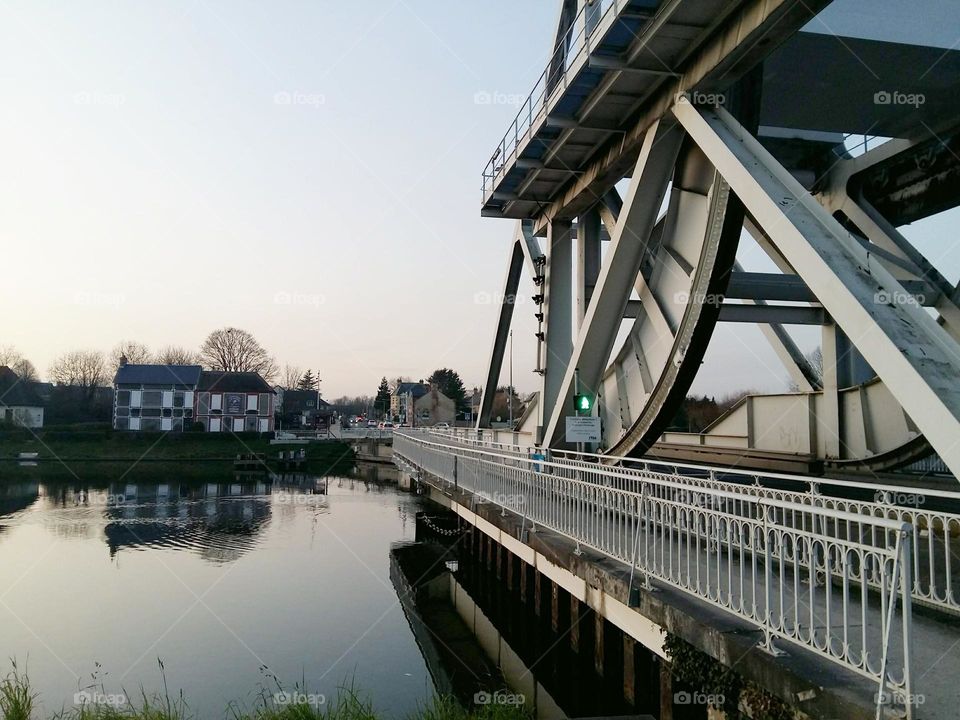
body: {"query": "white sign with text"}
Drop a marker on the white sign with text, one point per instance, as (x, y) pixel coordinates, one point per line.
(583, 429)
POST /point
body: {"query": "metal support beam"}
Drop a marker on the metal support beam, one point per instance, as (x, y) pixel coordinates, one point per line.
(916, 358)
(620, 268)
(558, 318)
(772, 314)
(519, 253)
(588, 259)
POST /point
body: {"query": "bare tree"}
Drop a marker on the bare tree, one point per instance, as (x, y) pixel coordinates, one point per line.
(24, 369)
(235, 350)
(291, 376)
(82, 368)
(135, 352)
(176, 355)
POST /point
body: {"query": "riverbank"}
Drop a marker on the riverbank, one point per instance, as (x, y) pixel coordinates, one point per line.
(110, 446)
(19, 702)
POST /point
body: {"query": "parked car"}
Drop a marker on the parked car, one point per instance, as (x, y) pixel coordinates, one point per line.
(371, 423)
(442, 426)
(386, 425)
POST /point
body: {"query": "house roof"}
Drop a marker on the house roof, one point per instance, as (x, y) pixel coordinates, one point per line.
(417, 389)
(14, 393)
(157, 375)
(219, 381)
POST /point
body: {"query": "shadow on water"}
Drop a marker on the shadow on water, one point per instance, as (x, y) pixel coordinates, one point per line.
(483, 643)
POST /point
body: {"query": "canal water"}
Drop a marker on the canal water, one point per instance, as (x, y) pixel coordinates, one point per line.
(230, 584)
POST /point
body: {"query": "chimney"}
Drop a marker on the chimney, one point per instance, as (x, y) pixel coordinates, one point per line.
(123, 360)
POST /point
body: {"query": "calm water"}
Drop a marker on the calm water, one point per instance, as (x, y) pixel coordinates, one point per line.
(217, 580)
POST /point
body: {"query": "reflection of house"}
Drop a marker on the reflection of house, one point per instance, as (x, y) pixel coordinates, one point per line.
(153, 398)
(19, 402)
(234, 402)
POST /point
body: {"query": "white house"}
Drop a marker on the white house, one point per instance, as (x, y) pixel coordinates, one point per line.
(19, 402)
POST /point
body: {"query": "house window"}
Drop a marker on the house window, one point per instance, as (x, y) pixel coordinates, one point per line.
(178, 400)
(152, 398)
(264, 424)
(264, 403)
(238, 424)
(123, 412)
(134, 412)
(135, 399)
(188, 398)
(252, 403)
(214, 424)
(188, 412)
(151, 412)
(166, 424)
(167, 412)
(216, 402)
(134, 423)
(123, 398)
(167, 398)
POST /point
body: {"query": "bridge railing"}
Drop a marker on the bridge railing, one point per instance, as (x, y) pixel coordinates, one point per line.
(570, 50)
(935, 557)
(836, 583)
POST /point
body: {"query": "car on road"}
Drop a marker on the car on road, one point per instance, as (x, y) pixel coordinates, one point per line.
(386, 425)
(371, 423)
(442, 426)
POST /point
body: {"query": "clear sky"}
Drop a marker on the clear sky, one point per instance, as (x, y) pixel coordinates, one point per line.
(308, 171)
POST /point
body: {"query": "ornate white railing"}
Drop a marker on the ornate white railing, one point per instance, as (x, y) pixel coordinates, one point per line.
(935, 553)
(836, 583)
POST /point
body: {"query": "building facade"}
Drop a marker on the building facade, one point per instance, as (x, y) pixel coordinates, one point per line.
(173, 398)
(19, 402)
(234, 402)
(433, 407)
(154, 398)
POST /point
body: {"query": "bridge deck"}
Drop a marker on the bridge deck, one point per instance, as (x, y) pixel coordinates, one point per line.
(717, 562)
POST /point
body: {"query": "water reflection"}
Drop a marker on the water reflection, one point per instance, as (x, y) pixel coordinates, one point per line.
(217, 578)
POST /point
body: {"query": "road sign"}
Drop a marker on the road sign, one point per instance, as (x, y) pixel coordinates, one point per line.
(583, 429)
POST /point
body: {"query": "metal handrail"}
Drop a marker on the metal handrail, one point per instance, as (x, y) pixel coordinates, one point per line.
(765, 559)
(936, 550)
(575, 42)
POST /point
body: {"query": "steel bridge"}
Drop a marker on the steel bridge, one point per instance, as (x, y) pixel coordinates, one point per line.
(819, 569)
(662, 136)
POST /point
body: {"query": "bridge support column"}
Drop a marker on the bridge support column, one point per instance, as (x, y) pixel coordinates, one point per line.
(558, 319)
(574, 624)
(629, 670)
(666, 692)
(599, 631)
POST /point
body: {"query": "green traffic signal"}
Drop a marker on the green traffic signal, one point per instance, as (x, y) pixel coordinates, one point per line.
(582, 403)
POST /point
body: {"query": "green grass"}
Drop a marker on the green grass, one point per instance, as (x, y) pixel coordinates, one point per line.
(105, 445)
(19, 702)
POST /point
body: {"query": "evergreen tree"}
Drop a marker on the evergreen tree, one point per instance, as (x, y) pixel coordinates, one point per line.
(307, 381)
(382, 402)
(449, 383)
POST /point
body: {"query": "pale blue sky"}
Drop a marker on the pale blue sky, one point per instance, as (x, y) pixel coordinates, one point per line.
(309, 171)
